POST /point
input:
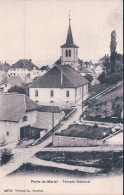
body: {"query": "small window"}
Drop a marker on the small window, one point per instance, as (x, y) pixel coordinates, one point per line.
(5, 85)
(36, 93)
(7, 133)
(51, 93)
(66, 53)
(69, 53)
(67, 93)
(36, 101)
(24, 118)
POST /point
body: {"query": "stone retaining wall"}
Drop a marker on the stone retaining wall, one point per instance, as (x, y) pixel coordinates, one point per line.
(75, 141)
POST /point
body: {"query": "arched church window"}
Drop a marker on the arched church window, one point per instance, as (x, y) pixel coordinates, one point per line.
(36, 93)
(67, 93)
(51, 93)
(66, 53)
(69, 53)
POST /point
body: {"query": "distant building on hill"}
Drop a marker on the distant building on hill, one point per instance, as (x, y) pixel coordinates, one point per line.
(24, 67)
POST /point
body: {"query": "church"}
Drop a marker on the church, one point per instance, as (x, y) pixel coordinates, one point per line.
(62, 85)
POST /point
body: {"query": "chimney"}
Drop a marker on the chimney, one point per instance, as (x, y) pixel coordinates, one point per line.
(61, 77)
(5, 62)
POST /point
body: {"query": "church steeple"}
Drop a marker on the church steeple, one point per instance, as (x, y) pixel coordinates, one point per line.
(69, 50)
(69, 35)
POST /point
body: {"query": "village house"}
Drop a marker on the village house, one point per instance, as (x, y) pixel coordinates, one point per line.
(8, 82)
(21, 118)
(103, 59)
(61, 85)
(99, 69)
(23, 68)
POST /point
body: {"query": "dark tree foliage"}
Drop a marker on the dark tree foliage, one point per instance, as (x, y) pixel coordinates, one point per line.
(89, 77)
(101, 77)
(18, 89)
(107, 65)
(113, 52)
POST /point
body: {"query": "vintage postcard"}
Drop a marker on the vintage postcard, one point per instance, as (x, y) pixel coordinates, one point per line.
(61, 97)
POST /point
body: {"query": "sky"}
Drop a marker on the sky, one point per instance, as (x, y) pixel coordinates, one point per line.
(35, 29)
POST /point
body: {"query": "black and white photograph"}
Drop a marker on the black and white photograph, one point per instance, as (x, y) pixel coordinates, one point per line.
(61, 97)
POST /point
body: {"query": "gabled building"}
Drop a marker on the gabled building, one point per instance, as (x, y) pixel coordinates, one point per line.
(103, 59)
(24, 67)
(21, 118)
(10, 81)
(17, 113)
(4, 67)
(61, 85)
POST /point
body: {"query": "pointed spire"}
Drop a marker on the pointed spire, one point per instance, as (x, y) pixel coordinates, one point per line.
(69, 35)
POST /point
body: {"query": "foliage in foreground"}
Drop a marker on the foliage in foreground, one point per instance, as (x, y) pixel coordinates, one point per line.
(5, 156)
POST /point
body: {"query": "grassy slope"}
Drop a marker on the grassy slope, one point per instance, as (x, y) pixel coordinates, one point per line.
(118, 91)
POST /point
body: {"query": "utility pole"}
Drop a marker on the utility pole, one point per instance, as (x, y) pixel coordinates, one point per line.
(52, 126)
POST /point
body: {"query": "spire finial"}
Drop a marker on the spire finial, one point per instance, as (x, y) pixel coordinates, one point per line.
(69, 17)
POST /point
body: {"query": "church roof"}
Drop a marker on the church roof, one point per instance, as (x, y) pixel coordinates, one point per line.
(69, 39)
(63, 76)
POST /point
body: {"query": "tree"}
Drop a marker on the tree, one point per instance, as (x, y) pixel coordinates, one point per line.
(89, 77)
(101, 77)
(107, 65)
(18, 89)
(113, 52)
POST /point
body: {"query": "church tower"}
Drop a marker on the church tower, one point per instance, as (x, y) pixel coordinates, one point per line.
(69, 50)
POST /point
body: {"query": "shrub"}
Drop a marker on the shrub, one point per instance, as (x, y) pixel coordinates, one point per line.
(5, 156)
(114, 78)
(95, 126)
(89, 77)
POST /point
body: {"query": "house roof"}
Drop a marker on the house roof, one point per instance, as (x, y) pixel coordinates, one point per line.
(54, 109)
(23, 63)
(4, 67)
(97, 65)
(2, 76)
(69, 39)
(52, 79)
(45, 68)
(104, 58)
(82, 69)
(13, 80)
(58, 62)
(14, 106)
(44, 120)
